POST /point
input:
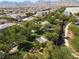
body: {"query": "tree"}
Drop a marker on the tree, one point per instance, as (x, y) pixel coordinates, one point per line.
(77, 14)
(29, 14)
(57, 15)
(51, 36)
(61, 9)
(72, 19)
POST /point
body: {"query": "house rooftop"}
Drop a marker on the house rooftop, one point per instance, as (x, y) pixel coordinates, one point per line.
(6, 25)
(41, 40)
(72, 10)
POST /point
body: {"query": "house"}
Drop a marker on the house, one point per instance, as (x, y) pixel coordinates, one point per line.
(42, 40)
(13, 50)
(71, 10)
(6, 25)
(12, 15)
(77, 23)
(42, 13)
(44, 23)
(2, 54)
(28, 18)
(2, 21)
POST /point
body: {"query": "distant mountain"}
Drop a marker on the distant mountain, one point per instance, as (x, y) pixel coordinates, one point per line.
(23, 4)
(68, 1)
(6, 4)
(14, 4)
(46, 1)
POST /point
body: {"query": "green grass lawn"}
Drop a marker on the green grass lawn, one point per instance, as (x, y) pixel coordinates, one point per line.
(75, 40)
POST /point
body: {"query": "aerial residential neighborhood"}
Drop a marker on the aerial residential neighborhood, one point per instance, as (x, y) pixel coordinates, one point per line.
(39, 29)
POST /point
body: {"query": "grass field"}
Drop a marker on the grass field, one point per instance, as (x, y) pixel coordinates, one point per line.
(75, 41)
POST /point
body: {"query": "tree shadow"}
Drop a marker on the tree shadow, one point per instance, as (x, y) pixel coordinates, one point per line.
(25, 46)
(59, 42)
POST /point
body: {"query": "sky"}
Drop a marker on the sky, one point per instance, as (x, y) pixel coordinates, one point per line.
(20, 0)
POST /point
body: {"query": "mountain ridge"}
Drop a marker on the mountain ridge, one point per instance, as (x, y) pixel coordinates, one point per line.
(5, 4)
